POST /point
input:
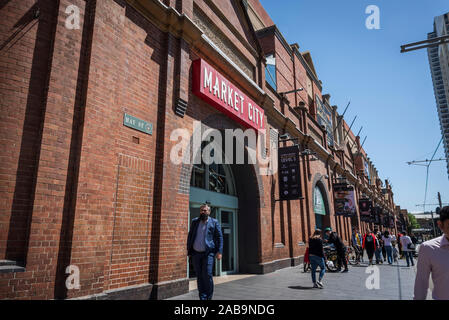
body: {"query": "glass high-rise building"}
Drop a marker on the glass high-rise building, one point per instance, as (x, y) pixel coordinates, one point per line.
(439, 66)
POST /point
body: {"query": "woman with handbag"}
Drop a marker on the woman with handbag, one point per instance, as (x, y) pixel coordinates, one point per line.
(407, 248)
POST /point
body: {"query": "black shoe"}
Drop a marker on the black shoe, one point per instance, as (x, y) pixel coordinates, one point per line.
(346, 270)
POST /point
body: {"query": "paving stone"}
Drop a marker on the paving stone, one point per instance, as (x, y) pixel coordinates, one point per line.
(396, 283)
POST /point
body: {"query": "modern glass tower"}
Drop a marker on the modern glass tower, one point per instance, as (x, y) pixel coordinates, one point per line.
(439, 66)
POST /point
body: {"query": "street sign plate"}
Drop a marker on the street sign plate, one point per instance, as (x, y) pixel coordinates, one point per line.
(137, 124)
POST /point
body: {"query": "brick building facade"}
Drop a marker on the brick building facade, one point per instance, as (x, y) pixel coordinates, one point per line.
(80, 188)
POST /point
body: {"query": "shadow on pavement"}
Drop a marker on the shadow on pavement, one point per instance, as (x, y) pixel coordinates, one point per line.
(300, 287)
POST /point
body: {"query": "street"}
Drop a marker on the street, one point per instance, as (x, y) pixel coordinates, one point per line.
(396, 282)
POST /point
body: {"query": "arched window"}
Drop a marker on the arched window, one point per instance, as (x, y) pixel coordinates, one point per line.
(213, 177)
(318, 202)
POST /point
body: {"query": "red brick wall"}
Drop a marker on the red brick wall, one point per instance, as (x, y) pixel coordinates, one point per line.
(48, 120)
(257, 6)
(25, 73)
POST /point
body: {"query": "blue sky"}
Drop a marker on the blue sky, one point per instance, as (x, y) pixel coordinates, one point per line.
(390, 92)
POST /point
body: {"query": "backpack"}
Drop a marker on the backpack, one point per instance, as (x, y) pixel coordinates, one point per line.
(369, 239)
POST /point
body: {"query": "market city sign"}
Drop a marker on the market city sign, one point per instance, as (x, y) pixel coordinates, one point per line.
(214, 88)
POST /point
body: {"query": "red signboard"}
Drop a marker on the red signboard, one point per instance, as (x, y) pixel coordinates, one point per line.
(211, 86)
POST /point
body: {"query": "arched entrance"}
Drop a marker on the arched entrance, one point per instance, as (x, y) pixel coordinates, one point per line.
(233, 191)
(320, 206)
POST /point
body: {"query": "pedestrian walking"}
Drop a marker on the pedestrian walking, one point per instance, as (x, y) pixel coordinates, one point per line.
(434, 259)
(400, 245)
(335, 239)
(384, 251)
(356, 240)
(407, 248)
(369, 244)
(317, 258)
(204, 244)
(395, 250)
(414, 239)
(378, 250)
(387, 239)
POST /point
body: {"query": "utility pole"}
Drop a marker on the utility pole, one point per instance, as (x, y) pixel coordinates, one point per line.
(439, 201)
(433, 224)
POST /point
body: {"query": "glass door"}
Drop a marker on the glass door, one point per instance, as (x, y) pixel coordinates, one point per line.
(228, 263)
(227, 219)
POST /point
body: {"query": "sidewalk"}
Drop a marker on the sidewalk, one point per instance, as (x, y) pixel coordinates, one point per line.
(396, 283)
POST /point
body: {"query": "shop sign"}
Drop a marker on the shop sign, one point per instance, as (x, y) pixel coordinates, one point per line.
(138, 124)
(217, 90)
(376, 215)
(344, 200)
(289, 178)
(365, 207)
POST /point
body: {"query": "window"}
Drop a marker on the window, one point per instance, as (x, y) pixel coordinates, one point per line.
(270, 71)
(214, 177)
(198, 176)
(318, 202)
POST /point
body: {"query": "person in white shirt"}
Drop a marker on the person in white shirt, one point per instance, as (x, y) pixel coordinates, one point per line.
(408, 252)
(386, 238)
(433, 259)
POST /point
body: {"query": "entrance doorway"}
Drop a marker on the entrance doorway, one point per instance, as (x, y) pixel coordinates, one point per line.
(320, 209)
(214, 185)
(234, 192)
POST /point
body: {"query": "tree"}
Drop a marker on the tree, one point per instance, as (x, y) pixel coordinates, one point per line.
(412, 223)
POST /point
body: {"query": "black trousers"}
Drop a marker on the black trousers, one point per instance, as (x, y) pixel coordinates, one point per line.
(341, 254)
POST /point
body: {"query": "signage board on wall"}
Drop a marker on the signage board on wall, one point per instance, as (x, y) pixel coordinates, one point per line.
(365, 207)
(344, 200)
(137, 124)
(375, 215)
(218, 91)
(288, 173)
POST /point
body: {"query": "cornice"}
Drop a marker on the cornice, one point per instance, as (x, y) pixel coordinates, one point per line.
(167, 19)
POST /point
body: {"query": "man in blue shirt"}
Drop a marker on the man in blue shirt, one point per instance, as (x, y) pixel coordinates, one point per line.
(204, 243)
